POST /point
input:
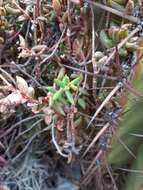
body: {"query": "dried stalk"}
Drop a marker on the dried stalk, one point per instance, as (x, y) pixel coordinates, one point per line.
(96, 138)
(116, 12)
(111, 94)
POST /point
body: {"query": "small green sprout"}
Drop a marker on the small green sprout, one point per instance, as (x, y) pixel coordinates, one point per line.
(63, 92)
(65, 87)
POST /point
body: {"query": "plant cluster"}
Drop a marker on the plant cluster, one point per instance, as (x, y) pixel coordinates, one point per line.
(64, 76)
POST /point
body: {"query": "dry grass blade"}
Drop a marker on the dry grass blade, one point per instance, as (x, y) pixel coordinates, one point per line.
(116, 12)
(105, 127)
(137, 135)
(92, 167)
(131, 170)
(18, 123)
(107, 99)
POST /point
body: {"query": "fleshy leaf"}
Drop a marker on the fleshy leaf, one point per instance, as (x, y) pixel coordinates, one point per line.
(50, 101)
(76, 81)
(57, 95)
(66, 88)
(82, 103)
(73, 87)
(59, 83)
(61, 73)
(51, 89)
(59, 108)
(22, 85)
(31, 91)
(69, 97)
(66, 80)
